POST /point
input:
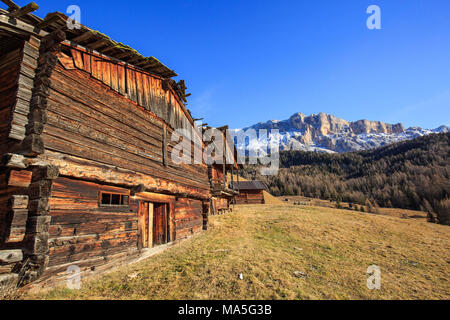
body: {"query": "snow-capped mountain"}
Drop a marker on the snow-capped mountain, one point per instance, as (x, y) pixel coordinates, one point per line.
(327, 133)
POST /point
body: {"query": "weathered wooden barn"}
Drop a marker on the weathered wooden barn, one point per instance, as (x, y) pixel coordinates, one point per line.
(86, 178)
(250, 192)
(222, 175)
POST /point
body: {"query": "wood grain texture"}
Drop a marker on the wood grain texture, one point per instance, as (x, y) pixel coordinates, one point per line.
(250, 197)
(147, 90)
(81, 229)
(12, 124)
(90, 121)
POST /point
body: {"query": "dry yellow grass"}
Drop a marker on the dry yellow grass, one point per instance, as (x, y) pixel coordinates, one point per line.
(394, 212)
(269, 243)
(270, 199)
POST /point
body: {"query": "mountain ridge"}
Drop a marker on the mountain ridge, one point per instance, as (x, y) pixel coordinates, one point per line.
(327, 133)
(410, 174)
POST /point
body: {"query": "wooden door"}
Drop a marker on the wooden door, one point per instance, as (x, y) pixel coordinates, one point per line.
(160, 224)
(145, 222)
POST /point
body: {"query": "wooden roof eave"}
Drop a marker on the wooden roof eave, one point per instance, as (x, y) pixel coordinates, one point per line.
(19, 27)
(57, 20)
(101, 55)
(29, 24)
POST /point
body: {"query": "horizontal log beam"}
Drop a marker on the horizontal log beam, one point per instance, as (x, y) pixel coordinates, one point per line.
(16, 161)
(86, 169)
(10, 256)
(20, 27)
(48, 21)
(11, 5)
(24, 10)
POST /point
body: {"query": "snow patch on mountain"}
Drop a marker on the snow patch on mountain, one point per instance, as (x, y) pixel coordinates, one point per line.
(327, 133)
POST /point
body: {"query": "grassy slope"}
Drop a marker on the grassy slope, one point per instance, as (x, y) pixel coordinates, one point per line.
(394, 212)
(261, 242)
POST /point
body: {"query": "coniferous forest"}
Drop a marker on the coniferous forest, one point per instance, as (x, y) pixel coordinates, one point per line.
(412, 175)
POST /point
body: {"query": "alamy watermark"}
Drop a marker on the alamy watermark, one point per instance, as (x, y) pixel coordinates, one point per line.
(74, 18)
(73, 281)
(374, 20)
(374, 280)
(256, 148)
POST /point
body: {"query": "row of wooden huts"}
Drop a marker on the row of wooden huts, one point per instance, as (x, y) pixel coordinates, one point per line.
(86, 177)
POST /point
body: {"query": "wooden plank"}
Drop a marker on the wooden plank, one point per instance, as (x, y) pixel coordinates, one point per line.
(90, 124)
(11, 5)
(11, 56)
(24, 10)
(99, 72)
(19, 27)
(146, 91)
(106, 71)
(90, 97)
(82, 168)
(109, 139)
(90, 149)
(49, 20)
(19, 202)
(123, 118)
(87, 62)
(114, 77)
(82, 247)
(27, 71)
(155, 95)
(85, 227)
(94, 67)
(131, 84)
(170, 111)
(150, 224)
(83, 37)
(30, 50)
(164, 147)
(29, 61)
(139, 89)
(78, 59)
(72, 188)
(143, 224)
(66, 61)
(121, 79)
(20, 178)
(150, 93)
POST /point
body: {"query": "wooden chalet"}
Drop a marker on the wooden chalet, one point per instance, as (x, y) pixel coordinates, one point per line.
(250, 192)
(86, 178)
(221, 176)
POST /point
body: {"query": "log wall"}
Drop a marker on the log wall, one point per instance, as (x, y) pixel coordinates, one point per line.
(220, 204)
(97, 134)
(147, 90)
(9, 72)
(217, 174)
(84, 233)
(14, 191)
(188, 217)
(250, 197)
(91, 121)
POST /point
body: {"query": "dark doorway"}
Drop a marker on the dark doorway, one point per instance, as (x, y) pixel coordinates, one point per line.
(160, 224)
(154, 227)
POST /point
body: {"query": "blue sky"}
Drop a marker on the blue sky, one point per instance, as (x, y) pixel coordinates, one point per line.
(247, 61)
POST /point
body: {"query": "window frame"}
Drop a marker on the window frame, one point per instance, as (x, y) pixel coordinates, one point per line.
(122, 195)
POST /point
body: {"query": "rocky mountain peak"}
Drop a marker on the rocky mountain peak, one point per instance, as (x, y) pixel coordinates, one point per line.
(328, 133)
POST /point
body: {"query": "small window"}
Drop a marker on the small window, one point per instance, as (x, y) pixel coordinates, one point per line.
(113, 199)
